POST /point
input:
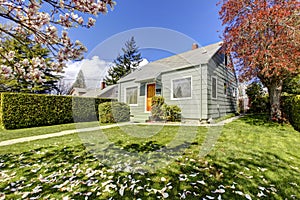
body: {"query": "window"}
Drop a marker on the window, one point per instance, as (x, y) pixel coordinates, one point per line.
(214, 87)
(226, 60)
(233, 92)
(131, 95)
(182, 88)
(225, 88)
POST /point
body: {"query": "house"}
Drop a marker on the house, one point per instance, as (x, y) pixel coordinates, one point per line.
(104, 91)
(78, 91)
(198, 81)
(110, 91)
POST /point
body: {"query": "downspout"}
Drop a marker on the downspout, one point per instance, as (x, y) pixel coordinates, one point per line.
(119, 93)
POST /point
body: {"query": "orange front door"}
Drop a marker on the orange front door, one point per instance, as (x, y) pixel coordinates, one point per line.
(150, 94)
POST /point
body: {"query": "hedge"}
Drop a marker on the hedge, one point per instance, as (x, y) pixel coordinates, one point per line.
(291, 107)
(112, 112)
(19, 110)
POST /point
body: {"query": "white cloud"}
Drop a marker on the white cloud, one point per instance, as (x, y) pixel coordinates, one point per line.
(94, 71)
(144, 62)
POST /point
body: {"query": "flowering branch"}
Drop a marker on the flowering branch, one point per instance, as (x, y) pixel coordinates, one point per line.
(32, 20)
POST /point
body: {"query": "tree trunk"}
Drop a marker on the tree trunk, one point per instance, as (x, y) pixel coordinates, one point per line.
(274, 95)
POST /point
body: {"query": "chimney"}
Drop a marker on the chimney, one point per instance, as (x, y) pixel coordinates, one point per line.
(102, 85)
(195, 46)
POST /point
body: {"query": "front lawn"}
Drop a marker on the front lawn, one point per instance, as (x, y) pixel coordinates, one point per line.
(252, 159)
(27, 132)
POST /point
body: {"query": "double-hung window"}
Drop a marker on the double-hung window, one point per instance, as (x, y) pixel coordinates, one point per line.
(131, 95)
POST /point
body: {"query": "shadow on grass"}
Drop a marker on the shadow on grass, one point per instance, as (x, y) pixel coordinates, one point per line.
(146, 147)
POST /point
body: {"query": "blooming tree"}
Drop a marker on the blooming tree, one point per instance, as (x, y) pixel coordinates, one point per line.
(263, 38)
(32, 70)
(44, 22)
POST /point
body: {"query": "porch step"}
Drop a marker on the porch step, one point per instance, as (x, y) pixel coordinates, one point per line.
(140, 118)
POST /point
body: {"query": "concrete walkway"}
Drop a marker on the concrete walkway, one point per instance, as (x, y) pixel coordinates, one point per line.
(67, 132)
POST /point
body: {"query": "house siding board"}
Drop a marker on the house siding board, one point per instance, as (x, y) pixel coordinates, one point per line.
(134, 110)
(224, 104)
(191, 108)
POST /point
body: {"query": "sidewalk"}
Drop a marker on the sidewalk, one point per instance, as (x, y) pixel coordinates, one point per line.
(67, 132)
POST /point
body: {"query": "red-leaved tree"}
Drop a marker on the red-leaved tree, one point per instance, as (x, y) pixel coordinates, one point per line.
(263, 38)
(44, 22)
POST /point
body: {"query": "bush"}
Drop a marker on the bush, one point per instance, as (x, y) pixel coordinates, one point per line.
(161, 111)
(20, 110)
(157, 103)
(258, 101)
(172, 113)
(260, 105)
(112, 112)
(291, 107)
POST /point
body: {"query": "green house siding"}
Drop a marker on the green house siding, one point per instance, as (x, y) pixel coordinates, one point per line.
(224, 103)
(191, 106)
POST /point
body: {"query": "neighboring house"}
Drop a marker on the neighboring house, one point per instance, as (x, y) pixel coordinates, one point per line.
(243, 98)
(198, 81)
(78, 91)
(110, 91)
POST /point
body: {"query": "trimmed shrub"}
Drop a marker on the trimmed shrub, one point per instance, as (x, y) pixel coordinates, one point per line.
(157, 103)
(112, 112)
(172, 113)
(19, 110)
(291, 107)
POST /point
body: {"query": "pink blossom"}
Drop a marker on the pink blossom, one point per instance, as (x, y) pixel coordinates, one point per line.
(40, 27)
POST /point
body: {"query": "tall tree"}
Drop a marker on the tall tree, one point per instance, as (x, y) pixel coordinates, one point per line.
(125, 63)
(32, 74)
(46, 22)
(262, 36)
(80, 80)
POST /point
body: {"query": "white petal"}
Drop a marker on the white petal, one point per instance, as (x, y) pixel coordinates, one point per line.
(165, 195)
(163, 179)
(248, 197)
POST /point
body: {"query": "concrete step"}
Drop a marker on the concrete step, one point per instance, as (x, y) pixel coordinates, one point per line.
(141, 118)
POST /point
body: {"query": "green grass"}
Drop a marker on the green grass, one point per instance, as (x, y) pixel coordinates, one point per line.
(26, 132)
(224, 117)
(252, 157)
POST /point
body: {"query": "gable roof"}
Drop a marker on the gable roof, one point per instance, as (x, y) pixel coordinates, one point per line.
(152, 70)
(108, 92)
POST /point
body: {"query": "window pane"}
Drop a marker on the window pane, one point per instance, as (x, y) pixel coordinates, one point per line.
(182, 88)
(131, 95)
(214, 87)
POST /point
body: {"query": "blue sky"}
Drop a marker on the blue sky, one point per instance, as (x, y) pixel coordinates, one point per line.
(160, 27)
(196, 19)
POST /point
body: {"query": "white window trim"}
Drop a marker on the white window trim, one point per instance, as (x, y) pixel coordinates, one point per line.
(136, 97)
(183, 98)
(214, 77)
